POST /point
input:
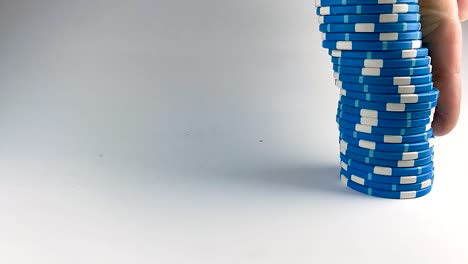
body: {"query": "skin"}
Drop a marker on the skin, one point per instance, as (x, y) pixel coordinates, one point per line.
(442, 34)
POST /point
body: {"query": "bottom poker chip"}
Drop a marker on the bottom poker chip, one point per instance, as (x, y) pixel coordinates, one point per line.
(385, 193)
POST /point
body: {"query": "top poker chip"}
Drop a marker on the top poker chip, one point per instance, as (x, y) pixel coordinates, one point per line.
(368, 9)
(319, 3)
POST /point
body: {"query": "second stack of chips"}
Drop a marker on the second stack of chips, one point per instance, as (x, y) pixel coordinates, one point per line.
(387, 98)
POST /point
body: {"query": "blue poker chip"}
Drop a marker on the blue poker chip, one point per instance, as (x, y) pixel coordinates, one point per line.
(383, 63)
(384, 114)
(378, 18)
(390, 107)
(388, 186)
(319, 3)
(385, 89)
(391, 36)
(368, 9)
(390, 147)
(370, 27)
(387, 163)
(387, 155)
(382, 130)
(383, 71)
(387, 171)
(401, 180)
(397, 80)
(394, 98)
(387, 138)
(377, 122)
(371, 45)
(385, 193)
(396, 54)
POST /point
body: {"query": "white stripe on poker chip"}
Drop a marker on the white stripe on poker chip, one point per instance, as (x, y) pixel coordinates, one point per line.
(388, 18)
(409, 98)
(406, 80)
(364, 27)
(366, 144)
(320, 20)
(408, 195)
(343, 144)
(343, 150)
(369, 121)
(393, 139)
(370, 113)
(426, 183)
(344, 45)
(363, 128)
(417, 44)
(344, 180)
(400, 8)
(386, 171)
(388, 1)
(373, 63)
(395, 107)
(344, 165)
(407, 89)
(405, 163)
(336, 53)
(408, 179)
(325, 10)
(431, 142)
(358, 180)
(409, 54)
(388, 36)
(370, 71)
(409, 155)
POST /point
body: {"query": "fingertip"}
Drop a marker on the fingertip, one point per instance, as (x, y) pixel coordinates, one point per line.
(462, 10)
(442, 124)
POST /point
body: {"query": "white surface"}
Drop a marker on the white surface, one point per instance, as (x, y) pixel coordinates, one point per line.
(193, 132)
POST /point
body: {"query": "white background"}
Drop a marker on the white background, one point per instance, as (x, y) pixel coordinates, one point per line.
(176, 131)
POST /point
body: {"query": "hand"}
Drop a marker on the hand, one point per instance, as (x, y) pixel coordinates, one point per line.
(442, 35)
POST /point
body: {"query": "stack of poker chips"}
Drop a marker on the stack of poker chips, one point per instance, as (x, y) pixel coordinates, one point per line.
(387, 98)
